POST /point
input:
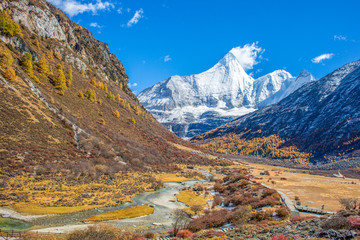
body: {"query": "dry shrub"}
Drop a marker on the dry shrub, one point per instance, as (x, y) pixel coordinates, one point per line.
(219, 188)
(241, 215)
(102, 232)
(354, 222)
(149, 235)
(184, 233)
(196, 208)
(268, 192)
(349, 203)
(282, 212)
(217, 200)
(260, 216)
(210, 220)
(335, 222)
(36, 236)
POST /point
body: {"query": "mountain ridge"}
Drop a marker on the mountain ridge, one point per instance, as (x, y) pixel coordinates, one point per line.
(196, 103)
(321, 118)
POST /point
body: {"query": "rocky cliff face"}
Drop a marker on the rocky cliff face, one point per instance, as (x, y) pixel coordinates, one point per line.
(76, 44)
(194, 104)
(321, 118)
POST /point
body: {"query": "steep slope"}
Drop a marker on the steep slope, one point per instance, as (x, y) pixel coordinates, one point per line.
(288, 86)
(321, 119)
(194, 104)
(67, 117)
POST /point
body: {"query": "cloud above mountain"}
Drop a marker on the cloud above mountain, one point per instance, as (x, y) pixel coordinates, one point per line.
(73, 7)
(249, 55)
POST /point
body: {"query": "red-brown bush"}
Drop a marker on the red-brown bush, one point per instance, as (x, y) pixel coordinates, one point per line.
(354, 222)
(184, 233)
(217, 200)
(282, 212)
(260, 216)
(210, 220)
(149, 235)
(279, 237)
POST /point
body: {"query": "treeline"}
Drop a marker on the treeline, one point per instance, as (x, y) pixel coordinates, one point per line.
(271, 146)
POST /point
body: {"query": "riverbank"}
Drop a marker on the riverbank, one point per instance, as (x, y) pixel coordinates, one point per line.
(162, 201)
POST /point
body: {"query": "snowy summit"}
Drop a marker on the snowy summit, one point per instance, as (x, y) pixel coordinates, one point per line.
(193, 104)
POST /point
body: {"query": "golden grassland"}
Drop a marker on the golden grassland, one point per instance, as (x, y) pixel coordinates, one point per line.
(192, 198)
(30, 195)
(131, 212)
(39, 210)
(174, 177)
(313, 190)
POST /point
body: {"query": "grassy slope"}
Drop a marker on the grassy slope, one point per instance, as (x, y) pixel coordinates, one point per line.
(42, 164)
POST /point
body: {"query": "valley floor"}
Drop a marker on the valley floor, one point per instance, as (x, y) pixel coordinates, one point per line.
(312, 190)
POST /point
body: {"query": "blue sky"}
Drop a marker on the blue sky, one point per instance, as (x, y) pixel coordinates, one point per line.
(156, 39)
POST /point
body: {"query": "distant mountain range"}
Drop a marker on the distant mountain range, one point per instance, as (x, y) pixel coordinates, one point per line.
(193, 104)
(321, 118)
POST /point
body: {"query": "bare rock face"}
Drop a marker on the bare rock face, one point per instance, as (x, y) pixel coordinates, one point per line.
(45, 20)
(39, 20)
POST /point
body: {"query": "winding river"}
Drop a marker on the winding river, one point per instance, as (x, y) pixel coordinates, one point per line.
(163, 201)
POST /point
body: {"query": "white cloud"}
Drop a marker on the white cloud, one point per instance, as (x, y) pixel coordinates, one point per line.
(322, 57)
(340, 37)
(119, 11)
(248, 55)
(167, 58)
(73, 7)
(135, 19)
(132, 84)
(95, 25)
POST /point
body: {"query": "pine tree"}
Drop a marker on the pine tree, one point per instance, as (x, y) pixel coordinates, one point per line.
(8, 26)
(101, 121)
(111, 96)
(6, 61)
(116, 114)
(9, 73)
(26, 62)
(43, 66)
(69, 77)
(60, 80)
(36, 43)
(91, 95)
(81, 95)
(6, 58)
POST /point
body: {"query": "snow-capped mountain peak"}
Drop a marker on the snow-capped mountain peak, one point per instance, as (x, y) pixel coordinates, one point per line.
(305, 73)
(193, 104)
